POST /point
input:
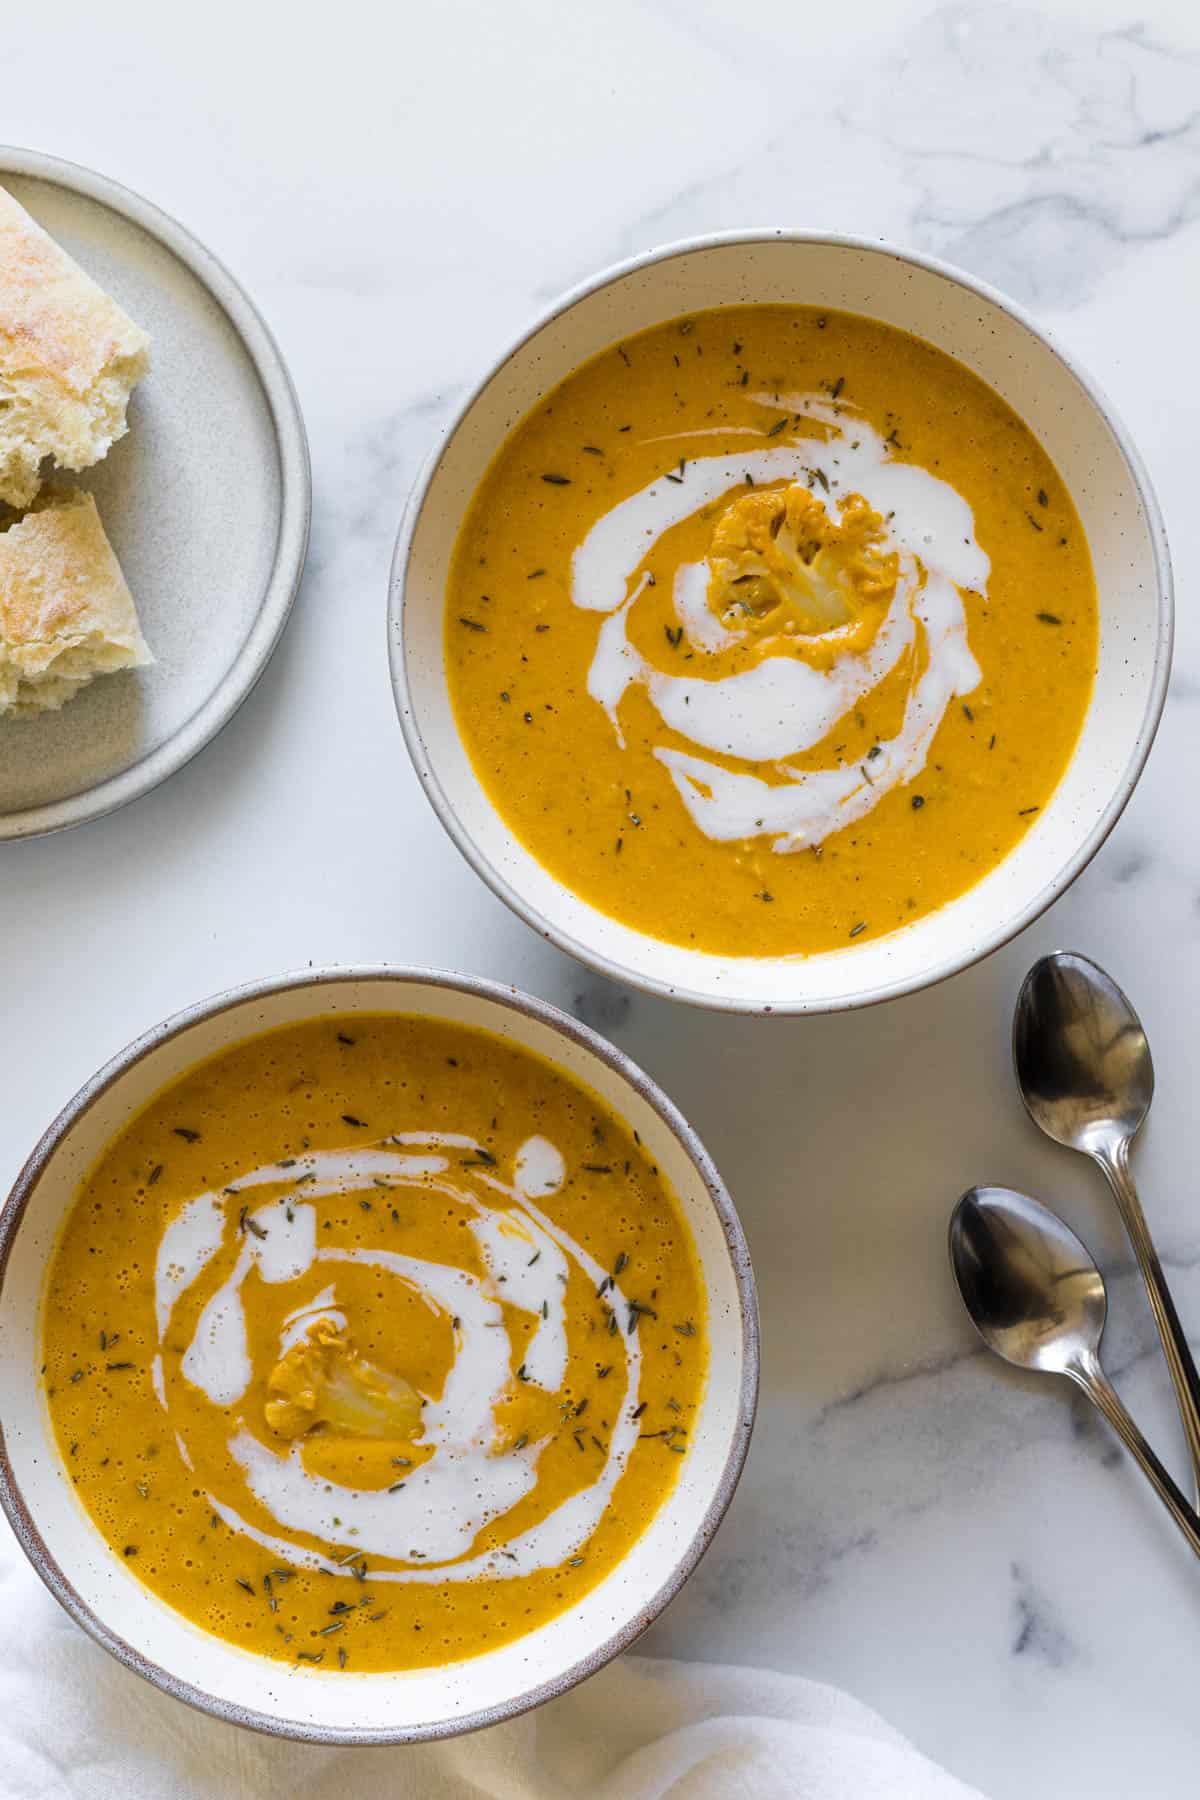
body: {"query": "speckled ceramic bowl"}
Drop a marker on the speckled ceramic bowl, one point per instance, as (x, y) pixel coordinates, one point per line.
(1082, 435)
(99, 1589)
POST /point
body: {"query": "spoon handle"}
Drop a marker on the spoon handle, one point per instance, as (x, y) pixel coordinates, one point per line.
(1114, 1160)
(1104, 1397)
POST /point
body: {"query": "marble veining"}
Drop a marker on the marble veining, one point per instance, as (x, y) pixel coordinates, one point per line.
(1038, 1635)
(604, 1005)
(1102, 154)
(960, 1546)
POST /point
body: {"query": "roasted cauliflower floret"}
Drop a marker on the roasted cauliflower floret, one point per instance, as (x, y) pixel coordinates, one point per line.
(322, 1380)
(778, 554)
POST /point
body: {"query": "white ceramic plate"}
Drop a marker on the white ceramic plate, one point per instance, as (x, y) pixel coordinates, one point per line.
(1083, 437)
(206, 501)
(98, 1588)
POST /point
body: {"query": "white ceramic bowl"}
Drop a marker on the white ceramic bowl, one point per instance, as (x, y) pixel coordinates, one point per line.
(1091, 451)
(99, 1589)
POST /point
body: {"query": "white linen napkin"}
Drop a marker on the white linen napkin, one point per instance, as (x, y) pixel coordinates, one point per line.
(76, 1726)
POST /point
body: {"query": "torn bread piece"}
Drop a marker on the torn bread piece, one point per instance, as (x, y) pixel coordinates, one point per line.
(69, 358)
(66, 613)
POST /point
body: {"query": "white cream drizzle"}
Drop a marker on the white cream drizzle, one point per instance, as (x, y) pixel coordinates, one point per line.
(783, 706)
(297, 1325)
(433, 1520)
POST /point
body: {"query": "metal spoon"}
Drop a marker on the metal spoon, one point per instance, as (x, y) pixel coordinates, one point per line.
(1037, 1299)
(1084, 1070)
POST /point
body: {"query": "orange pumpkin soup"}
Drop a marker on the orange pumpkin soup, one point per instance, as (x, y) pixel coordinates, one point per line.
(373, 1343)
(771, 630)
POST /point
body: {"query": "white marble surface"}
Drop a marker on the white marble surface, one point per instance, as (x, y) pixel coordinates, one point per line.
(400, 187)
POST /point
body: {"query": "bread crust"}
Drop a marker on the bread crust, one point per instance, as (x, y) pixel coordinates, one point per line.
(69, 357)
(66, 613)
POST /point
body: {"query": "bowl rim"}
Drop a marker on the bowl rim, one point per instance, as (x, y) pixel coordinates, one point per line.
(515, 1000)
(988, 941)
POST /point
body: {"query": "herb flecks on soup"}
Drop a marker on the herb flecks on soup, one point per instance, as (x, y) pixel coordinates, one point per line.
(771, 630)
(386, 1355)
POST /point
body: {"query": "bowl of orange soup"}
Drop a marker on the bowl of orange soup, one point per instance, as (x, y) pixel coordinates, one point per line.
(379, 1354)
(782, 623)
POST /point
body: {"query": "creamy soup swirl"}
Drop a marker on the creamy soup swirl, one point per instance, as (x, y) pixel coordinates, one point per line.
(467, 1479)
(784, 705)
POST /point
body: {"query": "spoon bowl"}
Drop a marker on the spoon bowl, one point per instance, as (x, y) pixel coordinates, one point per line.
(1033, 1292)
(1085, 1074)
(1037, 1299)
(1082, 1060)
